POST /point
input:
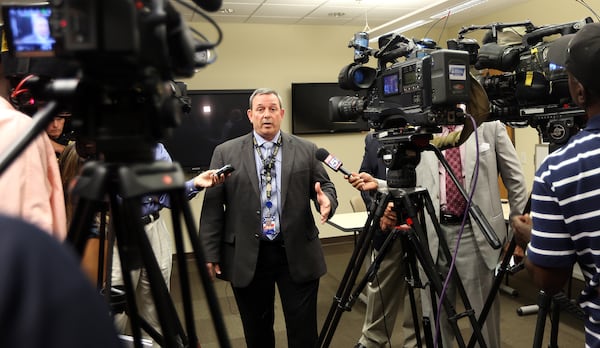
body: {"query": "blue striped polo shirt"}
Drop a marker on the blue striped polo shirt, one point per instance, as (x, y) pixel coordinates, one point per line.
(565, 209)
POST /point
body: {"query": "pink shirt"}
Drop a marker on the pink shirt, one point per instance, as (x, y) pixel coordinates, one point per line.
(31, 188)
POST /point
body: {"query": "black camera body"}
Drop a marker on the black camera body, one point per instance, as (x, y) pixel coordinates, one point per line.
(422, 90)
(530, 90)
(126, 54)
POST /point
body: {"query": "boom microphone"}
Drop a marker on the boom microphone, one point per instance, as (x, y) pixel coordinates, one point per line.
(332, 162)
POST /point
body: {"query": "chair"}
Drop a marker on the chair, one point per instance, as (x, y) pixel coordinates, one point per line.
(357, 204)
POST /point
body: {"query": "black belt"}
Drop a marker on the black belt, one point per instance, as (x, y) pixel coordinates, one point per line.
(451, 219)
(275, 242)
(146, 219)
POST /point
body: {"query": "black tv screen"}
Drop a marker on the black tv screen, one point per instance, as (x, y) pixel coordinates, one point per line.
(216, 117)
(310, 109)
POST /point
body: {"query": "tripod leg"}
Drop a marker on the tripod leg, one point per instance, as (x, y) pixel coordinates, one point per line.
(436, 282)
(495, 287)
(351, 273)
(123, 251)
(209, 290)
(429, 266)
(555, 320)
(101, 251)
(132, 240)
(413, 282)
(544, 301)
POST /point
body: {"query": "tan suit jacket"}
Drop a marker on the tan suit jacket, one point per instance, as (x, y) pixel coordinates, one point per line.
(497, 156)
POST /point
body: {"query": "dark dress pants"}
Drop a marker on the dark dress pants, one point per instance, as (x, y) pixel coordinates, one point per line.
(256, 302)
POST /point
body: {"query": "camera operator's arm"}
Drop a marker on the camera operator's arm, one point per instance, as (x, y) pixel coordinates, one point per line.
(208, 179)
(521, 225)
(551, 279)
(366, 182)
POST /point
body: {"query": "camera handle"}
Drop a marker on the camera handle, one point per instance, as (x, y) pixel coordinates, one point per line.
(474, 209)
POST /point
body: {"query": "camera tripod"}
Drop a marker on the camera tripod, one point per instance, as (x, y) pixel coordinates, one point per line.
(125, 179)
(125, 185)
(409, 204)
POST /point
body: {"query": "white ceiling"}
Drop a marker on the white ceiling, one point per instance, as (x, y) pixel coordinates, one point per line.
(381, 16)
(356, 13)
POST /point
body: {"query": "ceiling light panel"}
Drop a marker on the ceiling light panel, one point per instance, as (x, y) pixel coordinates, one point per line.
(280, 10)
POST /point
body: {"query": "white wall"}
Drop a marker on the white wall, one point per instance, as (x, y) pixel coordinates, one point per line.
(255, 55)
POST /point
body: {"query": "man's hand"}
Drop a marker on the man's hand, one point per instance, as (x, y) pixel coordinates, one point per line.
(324, 203)
(213, 269)
(209, 179)
(521, 224)
(389, 218)
(363, 181)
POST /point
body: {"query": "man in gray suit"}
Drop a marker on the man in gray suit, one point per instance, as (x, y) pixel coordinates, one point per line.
(258, 230)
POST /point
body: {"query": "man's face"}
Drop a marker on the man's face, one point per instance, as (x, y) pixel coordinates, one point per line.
(41, 27)
(55, 128)
(266, 115)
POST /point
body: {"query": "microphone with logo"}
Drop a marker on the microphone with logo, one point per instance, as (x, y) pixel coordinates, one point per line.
(332, 162)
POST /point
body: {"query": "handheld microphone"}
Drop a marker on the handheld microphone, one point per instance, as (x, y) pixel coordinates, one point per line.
(208, 5)
(332, 162)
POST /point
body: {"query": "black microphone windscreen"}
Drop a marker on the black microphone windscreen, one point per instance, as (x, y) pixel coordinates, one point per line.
(209, 5)
(332, 162)
(322, 154)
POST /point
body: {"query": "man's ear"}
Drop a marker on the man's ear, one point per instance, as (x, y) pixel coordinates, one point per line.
(577, 91)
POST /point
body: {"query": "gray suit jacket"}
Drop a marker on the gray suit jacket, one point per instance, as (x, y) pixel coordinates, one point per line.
(497, 156)
(230, 224)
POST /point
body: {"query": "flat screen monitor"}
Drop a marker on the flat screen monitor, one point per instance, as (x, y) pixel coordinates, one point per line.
(215, 117)
(310, 109)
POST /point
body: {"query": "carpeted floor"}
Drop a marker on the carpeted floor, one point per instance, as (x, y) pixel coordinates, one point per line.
(517, 331)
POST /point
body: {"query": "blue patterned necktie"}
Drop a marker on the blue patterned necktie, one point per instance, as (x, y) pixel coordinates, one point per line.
(270, 213)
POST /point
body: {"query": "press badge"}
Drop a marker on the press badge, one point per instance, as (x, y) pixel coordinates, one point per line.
(268, 227)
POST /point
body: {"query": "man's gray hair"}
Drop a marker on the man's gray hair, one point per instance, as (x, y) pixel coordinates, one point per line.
(260, 91)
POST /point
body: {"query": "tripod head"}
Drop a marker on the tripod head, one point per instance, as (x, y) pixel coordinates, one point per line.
(400, 149)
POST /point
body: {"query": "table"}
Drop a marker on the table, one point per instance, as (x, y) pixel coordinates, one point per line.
(349, 222)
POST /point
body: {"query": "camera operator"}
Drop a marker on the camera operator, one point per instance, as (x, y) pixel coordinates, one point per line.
(56, 132)
(476, 260)
(564, 207)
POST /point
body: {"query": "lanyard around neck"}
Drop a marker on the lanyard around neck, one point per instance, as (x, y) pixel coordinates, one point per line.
(268, 164)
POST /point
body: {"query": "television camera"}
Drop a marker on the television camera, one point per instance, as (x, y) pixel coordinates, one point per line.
(123, 56)
(422, 90)
(415, 88)
(529, 90)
